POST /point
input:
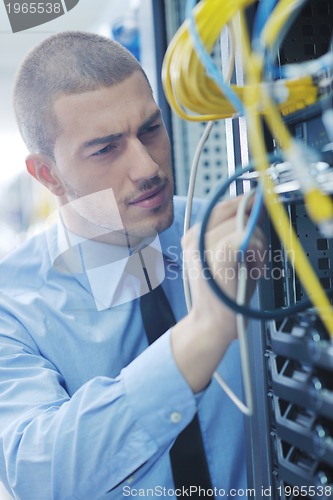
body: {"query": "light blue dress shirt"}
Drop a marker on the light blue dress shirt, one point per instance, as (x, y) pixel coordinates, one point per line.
(87, 411)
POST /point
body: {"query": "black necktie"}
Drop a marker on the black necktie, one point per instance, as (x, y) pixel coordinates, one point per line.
(187, 455)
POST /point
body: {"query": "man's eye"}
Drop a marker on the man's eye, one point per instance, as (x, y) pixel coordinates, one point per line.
(105, 150)
(151, 129)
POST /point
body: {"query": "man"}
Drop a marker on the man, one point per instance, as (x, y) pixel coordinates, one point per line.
(87, 409)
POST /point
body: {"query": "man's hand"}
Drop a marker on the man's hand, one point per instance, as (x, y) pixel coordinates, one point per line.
(201, 339)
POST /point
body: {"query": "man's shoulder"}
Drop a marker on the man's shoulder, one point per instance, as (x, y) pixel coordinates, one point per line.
(25, 264)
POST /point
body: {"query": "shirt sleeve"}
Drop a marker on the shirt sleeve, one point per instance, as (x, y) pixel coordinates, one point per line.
(54, 446)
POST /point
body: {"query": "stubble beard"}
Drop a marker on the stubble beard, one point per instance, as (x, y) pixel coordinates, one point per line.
(96, 227)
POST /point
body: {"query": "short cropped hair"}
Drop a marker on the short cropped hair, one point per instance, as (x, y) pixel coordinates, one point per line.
(70, 62)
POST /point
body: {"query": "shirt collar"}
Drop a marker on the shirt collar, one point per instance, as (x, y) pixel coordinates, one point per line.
(115, 274)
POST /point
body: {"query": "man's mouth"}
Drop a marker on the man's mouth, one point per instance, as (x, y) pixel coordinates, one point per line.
(151, 198)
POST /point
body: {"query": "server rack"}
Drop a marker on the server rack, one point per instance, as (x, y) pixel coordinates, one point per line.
(290, 438)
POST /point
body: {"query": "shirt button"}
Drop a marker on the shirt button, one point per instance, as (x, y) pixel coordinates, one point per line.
(175, 417)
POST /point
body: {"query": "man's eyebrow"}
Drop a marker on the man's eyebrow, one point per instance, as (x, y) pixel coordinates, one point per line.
(152, 118)
(101, 141)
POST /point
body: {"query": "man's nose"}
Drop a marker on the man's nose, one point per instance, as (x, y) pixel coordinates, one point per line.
(140, 163)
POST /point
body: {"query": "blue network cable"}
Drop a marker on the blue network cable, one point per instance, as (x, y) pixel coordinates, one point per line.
(253, 220)
(264, 10)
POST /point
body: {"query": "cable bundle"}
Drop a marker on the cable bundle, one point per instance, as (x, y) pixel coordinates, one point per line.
(190, 81)
(197, 91)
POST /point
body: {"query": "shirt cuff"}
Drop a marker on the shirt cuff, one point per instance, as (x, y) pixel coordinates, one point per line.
(157, 392)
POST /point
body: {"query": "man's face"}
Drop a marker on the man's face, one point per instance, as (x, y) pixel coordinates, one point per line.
(113, 143)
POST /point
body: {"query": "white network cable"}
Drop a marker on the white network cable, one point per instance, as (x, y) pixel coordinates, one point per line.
(196, 159)
(189, 201)
(247, 408)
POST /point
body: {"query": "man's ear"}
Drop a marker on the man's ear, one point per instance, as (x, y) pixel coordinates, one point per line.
(43, 169)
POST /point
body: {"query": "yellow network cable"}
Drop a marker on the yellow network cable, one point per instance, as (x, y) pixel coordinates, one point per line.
(255, 97)
(195, 96)
(187, 87)
(281, 221)
(275, 23)
(185, 82)
(319, 204)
